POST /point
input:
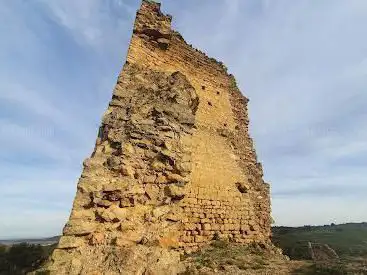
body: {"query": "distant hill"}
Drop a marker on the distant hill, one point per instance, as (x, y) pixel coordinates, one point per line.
(45, 241)
(348, 241)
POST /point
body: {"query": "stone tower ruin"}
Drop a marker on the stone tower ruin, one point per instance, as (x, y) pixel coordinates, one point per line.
(173, 167)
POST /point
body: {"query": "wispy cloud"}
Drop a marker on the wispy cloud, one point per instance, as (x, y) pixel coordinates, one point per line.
(93, 22)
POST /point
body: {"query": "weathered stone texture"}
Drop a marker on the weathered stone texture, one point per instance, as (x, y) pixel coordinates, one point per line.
(173, 166)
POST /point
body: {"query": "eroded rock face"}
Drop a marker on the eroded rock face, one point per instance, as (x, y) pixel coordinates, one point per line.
(173, 166)
(128, 196)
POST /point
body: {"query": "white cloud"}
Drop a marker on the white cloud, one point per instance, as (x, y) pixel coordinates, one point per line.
(358, 70)
(36, 141)
(91, 22)
(81, 17)
(36, 103)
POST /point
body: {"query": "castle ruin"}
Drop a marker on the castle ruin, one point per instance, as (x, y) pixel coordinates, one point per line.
(173, 167)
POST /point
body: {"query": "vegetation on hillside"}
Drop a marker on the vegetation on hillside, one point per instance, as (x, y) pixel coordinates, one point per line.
(346, 239)
(349, 241)
(22, 258)
(222, 257)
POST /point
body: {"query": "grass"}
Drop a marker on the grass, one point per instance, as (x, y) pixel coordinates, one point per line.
(221, 254)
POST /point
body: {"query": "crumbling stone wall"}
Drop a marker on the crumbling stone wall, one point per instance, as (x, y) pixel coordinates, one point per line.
(226, 195)
(173, 166)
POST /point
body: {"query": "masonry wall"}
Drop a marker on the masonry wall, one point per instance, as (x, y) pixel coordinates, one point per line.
(173, 167)
(226, 194)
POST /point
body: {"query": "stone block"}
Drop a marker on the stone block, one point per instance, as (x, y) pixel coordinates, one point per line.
(113, 213)
(200, 239)
(67, 242)
(206, 226)
(160, 211)
(149, 179)
(175, 192)
(175, 178)
(190, 226)
(78, 227)
(97, 238)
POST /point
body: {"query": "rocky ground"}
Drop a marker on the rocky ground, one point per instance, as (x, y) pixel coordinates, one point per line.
(218, 258)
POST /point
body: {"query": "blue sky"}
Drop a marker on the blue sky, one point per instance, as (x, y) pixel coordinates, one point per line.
(303, 64)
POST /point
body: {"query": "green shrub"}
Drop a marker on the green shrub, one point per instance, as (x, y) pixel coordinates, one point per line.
(23, 258)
